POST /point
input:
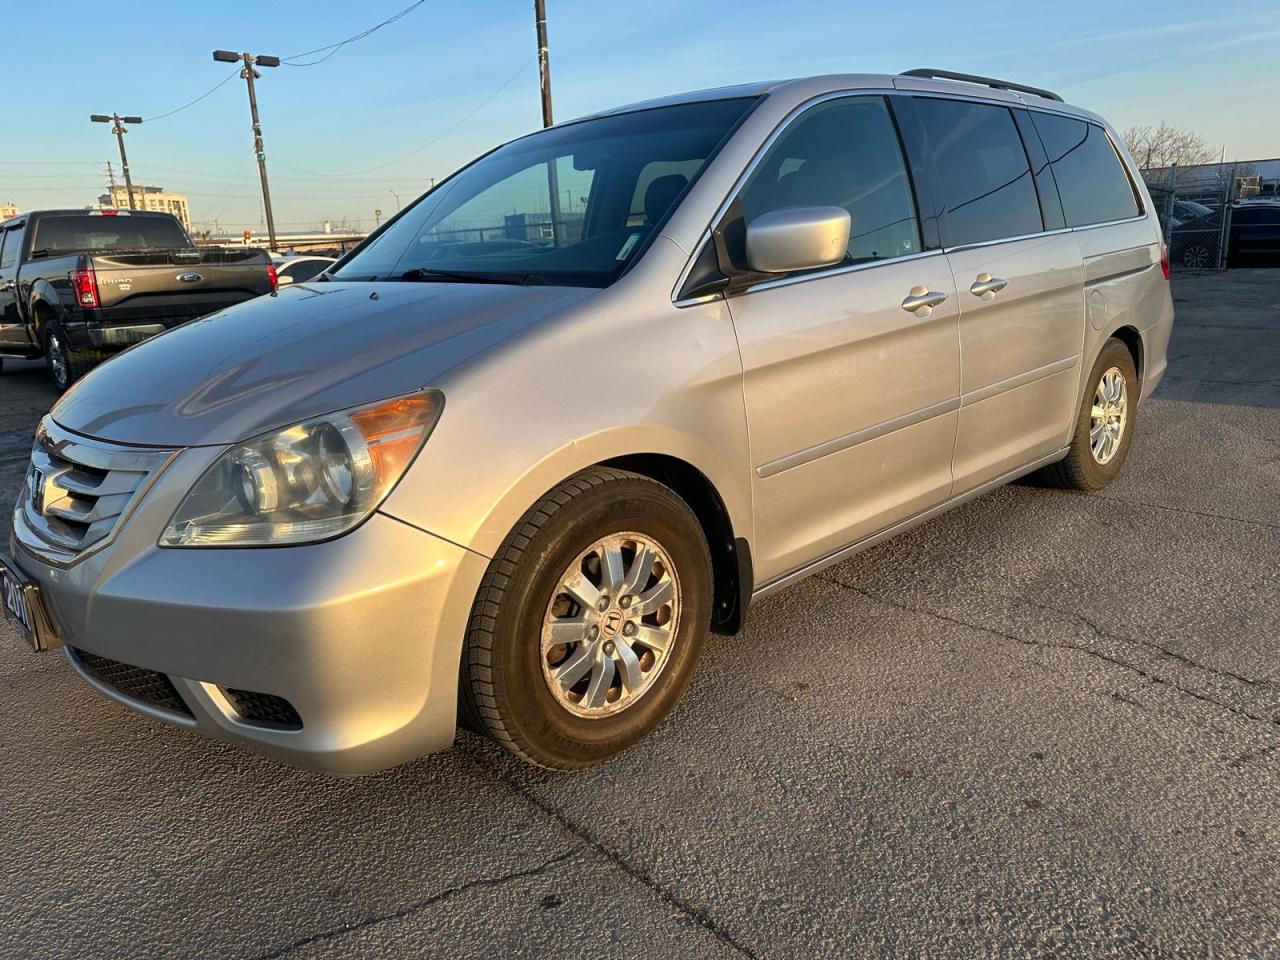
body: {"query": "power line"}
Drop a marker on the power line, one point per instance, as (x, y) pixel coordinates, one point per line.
(430, 143)
(335, 47)
(192, 103)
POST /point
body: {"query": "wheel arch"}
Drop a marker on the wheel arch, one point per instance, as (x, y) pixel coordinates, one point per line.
(44, 306)
(711, 477)
(730, 554)
(1131, 338)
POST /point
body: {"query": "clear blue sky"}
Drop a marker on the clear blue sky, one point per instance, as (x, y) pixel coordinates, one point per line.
(1207, 66)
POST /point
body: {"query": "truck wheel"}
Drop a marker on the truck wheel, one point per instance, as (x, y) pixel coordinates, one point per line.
(65, 365)
(1104, 428)
(589, 621)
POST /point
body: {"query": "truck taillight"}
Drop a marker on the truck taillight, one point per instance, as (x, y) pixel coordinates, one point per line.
(1164, 259)
(273, 277)
(86, 286)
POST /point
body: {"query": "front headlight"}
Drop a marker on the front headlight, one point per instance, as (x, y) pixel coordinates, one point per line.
(307, 482)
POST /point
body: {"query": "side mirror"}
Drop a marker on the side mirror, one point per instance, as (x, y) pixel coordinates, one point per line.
(284, 280)
(798, 238)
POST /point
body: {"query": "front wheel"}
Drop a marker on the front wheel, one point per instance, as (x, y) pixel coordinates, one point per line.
(589, 621)
(1104, 426)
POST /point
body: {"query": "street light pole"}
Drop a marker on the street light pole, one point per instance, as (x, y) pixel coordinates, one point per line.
(250, 75)
(119, 130)
(397, 196)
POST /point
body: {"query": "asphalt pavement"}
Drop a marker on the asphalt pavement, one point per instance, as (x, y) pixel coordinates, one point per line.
(1045, 724)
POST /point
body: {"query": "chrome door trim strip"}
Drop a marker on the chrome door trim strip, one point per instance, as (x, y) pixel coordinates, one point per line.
(873, 432)
(1021, 380)
(844, 553)
(960, 248)
(837, 271)
(1111, 223)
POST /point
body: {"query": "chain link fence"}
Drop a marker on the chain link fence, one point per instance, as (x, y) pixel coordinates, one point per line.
(1197, 206)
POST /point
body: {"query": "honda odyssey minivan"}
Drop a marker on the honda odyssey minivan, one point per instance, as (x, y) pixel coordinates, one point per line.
(508, 461)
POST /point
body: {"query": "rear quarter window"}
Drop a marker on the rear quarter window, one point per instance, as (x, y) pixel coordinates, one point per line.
(986, 178)
(1092, 181)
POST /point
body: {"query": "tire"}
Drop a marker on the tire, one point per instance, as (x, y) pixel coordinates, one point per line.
(511, 656)
(1081, 469)
(65, 365)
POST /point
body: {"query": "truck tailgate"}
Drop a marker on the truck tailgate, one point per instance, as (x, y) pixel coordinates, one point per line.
(171, 287)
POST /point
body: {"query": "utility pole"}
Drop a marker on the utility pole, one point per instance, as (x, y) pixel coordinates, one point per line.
(111, 180)
(544, 60)
(250, 75)
(544, 78)
(119, 130)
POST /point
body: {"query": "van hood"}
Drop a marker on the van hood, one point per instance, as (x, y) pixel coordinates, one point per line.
(308, 350)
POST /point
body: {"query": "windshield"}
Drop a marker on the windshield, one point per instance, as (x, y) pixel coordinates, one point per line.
(572, 205)
(74, 232)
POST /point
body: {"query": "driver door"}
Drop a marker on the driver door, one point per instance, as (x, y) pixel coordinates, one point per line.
(851, 399)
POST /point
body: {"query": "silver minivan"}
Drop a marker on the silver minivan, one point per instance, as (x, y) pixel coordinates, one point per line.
(508, 461)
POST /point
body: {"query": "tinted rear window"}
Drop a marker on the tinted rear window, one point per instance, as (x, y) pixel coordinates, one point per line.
(75, 232)
(1256, 215)
(1091, 180)
(986, 181)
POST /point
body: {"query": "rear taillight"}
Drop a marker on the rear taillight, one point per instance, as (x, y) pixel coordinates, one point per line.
(273, 277)
(86, 287)
(1164, 260)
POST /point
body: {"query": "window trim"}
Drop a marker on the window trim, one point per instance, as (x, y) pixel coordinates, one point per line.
(894, 96)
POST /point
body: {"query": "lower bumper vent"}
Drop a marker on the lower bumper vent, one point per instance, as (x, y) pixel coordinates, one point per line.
(136, 683)
(264, 709)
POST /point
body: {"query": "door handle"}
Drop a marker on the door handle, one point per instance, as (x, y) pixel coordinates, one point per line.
(922, 300)
(986, 286)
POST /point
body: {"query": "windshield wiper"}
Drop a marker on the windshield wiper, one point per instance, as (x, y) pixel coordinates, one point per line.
(451, 276)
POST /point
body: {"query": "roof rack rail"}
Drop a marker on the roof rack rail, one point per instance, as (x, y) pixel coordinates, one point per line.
(930, 74)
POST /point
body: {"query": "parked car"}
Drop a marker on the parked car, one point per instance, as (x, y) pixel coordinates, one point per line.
(1255, 233)
(300, 268)
(518, 481)
(79, 285)
(1185, 210)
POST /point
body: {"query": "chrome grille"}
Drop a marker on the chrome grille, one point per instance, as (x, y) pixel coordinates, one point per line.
(77, 490)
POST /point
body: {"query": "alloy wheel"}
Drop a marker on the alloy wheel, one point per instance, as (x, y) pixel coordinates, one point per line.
(57, 360)
(608, 630)
(1108, 415)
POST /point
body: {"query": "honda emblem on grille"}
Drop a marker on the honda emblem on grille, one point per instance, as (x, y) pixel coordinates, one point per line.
(189, 278)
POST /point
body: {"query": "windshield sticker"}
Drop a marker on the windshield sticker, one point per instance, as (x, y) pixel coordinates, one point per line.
(628, 246)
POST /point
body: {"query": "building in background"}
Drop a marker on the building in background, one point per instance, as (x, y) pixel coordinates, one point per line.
(8, 210)
(147, 198)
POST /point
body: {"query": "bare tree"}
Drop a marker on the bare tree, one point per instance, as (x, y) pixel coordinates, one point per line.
(1163, 146)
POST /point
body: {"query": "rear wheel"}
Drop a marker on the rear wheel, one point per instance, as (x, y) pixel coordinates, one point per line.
(65, 365)
(589, 621)
(1104, 427)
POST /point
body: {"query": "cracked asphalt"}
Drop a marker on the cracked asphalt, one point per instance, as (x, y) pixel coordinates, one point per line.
(1043, 724)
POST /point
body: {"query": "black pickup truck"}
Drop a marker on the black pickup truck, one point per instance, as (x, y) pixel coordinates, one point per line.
(79, 285)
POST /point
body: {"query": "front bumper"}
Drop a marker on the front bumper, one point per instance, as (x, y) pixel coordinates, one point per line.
(362, 635)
